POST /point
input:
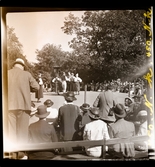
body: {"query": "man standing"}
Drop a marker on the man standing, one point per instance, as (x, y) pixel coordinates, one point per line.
(105, 101)
(19, 101)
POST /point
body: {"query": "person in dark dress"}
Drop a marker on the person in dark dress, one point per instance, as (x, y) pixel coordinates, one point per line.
(67, 116)
(39, 93)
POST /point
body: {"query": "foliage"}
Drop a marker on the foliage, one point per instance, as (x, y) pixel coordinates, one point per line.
(109, 44)
(14, 47)
(14, 50)
(49, 57)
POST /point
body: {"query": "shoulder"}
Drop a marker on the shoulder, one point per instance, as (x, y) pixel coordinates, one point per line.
(130, 123)
(33, 124)
(27, 73)
(127, 122)
(101, 122)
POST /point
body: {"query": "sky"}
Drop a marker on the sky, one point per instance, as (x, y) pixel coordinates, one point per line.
(36, 29)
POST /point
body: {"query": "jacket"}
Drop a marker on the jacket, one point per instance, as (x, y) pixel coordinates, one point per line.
(19, 83)
(105, 100)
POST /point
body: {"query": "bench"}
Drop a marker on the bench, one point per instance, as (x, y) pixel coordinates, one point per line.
(13, 151)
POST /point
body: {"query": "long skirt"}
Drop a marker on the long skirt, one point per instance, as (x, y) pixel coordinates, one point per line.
(76, 86)
(39, 93)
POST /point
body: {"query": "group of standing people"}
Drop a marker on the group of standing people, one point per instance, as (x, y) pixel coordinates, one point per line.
(67, 82)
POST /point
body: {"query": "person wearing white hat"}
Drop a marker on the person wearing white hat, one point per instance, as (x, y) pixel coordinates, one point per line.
(141, 123)
(19, 101)
(20, 83)
(141, 126)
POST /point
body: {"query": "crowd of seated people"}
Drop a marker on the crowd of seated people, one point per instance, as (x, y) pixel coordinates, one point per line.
(73, 123)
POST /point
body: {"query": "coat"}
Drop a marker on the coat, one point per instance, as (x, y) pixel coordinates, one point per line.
(41, 131)
(121, 129)
(19, 83)
(105, 100)
(67, 120)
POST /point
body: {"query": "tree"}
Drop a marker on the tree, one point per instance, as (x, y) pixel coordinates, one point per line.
(15, 50)
(111, 43)
(14, 47)
(48, 57)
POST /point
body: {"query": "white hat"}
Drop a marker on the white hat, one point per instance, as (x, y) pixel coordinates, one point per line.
(19, 61)
(142, 113)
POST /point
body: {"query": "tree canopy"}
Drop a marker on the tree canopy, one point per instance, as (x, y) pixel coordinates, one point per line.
(109, 44)
(15, 50)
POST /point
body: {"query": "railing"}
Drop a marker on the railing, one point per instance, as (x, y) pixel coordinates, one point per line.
(55, 145)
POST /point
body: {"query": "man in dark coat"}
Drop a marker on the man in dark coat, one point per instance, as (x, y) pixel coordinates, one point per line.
(121, 129)
(42, 132)
(67, 118)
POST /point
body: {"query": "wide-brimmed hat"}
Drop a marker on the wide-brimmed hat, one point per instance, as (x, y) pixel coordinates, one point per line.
(19, 61)
(119, 110)
(69, 96)
(94, 113)
(129, 98)
(48, 103)
(42, 112)
(85, 107)
(136, 96)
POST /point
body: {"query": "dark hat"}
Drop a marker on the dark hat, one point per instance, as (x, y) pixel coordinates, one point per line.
(42, 112)
(69, 96)
(129, 98)
(136, 96)
(85, 107)
(119, 110)
(109, 86)
(94, 113)
(19, 61)
(48, 103)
